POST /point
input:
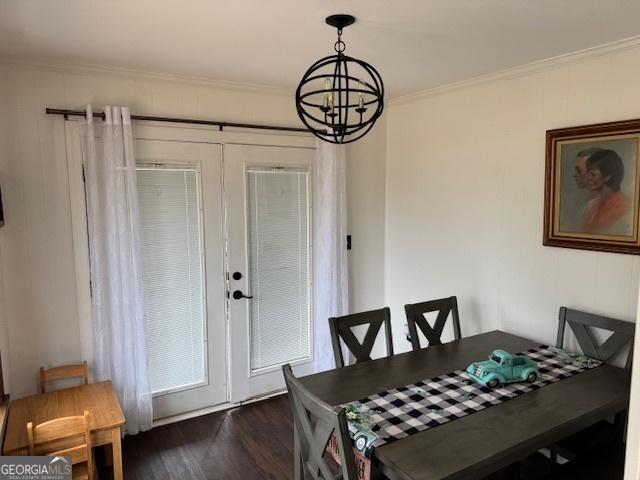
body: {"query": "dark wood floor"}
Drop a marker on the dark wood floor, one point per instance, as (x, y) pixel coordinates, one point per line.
(254, 441)
(251, 442)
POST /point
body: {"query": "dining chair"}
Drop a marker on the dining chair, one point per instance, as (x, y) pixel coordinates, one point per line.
(79, 370)
(582, 324)
(314, 424)
(341, 329)
(445, 308)
(72, 432)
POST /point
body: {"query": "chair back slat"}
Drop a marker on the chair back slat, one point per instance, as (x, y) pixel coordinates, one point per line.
(582, 325)
(66, 436)
(445, 308)
(314, 423)
(341, 329)
(47, 375)
(59, 428)
(78, 454)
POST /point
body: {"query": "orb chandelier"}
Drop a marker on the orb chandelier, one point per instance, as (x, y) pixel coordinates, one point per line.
(340, 97)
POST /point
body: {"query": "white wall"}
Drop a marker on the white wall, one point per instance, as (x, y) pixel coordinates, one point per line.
(366, 204)
(4, 142)
(465, 186)
(39, 321)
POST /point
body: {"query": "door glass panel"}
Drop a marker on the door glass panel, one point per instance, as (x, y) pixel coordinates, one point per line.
(279, 256)
(170, 240)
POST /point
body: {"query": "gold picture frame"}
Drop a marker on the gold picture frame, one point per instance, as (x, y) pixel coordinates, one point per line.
(592, 187)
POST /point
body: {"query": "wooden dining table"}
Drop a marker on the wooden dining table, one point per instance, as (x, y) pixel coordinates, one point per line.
(487, 441)
(98, 398)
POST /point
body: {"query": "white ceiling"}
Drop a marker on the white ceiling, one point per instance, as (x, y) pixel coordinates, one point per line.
(415, 44)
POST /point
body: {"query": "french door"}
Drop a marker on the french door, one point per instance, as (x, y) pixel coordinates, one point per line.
(268, 215)
(226, 245)
(181, 209)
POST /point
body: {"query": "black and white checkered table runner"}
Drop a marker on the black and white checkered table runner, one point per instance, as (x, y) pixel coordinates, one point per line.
(403, 411)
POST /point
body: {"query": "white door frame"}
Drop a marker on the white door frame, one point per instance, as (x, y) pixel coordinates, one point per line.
(79, 231)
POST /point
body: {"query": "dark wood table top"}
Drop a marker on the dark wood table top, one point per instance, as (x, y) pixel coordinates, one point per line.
(486, 441)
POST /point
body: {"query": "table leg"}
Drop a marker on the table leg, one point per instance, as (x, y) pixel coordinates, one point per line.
(116, 448)
(514, 471)
(620, 422)
(108, 455)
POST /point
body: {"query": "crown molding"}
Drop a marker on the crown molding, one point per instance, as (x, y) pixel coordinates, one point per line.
(512, 72)
(105, 70)
(521, 70)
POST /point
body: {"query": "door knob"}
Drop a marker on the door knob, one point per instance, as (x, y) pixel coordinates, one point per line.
(237, 295)
(236, 275)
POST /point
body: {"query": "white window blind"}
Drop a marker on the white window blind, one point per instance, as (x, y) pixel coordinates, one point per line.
(172, 276)
(278, 231)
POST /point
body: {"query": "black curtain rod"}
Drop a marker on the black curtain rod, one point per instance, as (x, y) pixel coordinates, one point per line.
(220, 125)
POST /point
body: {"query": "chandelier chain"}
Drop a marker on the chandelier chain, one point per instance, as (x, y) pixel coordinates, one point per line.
(339, 46)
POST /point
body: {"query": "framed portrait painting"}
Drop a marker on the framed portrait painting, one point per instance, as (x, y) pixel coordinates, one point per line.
(592, 187)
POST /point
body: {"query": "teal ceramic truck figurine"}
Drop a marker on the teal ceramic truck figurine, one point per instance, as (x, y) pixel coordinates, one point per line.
(503, 367)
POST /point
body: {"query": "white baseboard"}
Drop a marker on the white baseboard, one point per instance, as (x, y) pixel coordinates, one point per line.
(213, 409)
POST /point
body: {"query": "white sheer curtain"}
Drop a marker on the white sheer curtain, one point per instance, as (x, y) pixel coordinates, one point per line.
(119, 345)
(330, 274)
